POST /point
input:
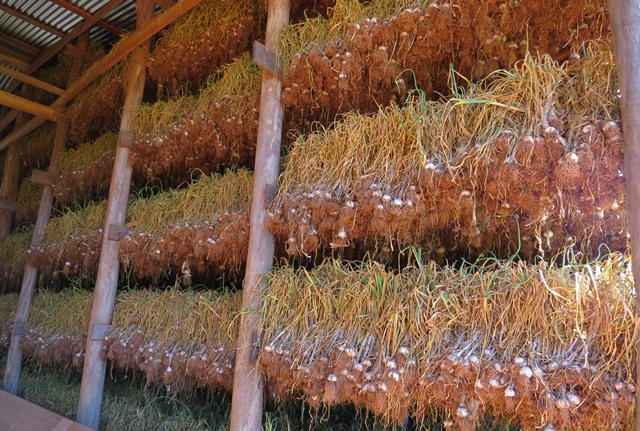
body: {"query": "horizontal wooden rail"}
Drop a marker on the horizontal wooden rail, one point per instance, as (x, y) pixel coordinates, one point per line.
(31, 80)
(26, 105)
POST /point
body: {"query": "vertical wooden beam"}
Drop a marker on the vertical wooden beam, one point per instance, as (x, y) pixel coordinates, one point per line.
(625, 25)
(104, 296)
(30, 277)
(248, 383)
(10, 183)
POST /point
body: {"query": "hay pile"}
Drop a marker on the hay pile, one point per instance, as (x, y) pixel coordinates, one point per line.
(12, 261)
(85, 171)
(535, 345)
(35, 148)
(27, 202)
(457, 342)
(210, 35)
(184, 339)
(198, 231)
(369, 53)
(527, 161)
(57, 75)
(8, 306)
(216, 129)
(96, 110)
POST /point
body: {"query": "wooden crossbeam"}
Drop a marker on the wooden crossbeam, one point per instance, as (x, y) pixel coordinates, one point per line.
(24, 17)
(26, 105)
(31, 80)
(50, 52)
(13, 58)
(76, 52)
(13, 41)
(119, 52)
(86, 15)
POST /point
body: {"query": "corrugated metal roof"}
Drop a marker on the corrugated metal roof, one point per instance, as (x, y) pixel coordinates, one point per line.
(59, 18)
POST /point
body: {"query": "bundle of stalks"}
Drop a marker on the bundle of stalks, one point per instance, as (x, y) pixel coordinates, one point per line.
(369, 53)
(463, 342)
(207, 37)
(12, 260)
(71, 243)
(528, 161)
(57, 327)
(216, 129)
(8, 305)
(35, 148)
(96, 110)
(183, 339)
(202, 230)
(85, 171)
(199, 231)
(27, 202)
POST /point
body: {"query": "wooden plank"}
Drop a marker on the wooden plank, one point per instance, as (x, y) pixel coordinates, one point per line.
(26, 18)
(118, 53)
(86, 15)
(7, 205)
(104, 294)
(19, 414)
(13, 58)
(76, 52)
(116, 232)
(625, 26)
(20, 44)
(10, 182)
(30, 276)
(248, 383)
(43, 177)
(267, 59)
(26, 105)
(31, 80)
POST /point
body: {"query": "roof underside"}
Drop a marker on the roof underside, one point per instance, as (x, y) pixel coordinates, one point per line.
(28, 27)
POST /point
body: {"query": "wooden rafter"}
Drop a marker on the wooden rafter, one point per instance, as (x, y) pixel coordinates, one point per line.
(47, 54)
(13, 58)
(85, 56)
(119, 52)
(31, 80)
(26, 105)
(20, 44)
(26, 18)
(86, 15)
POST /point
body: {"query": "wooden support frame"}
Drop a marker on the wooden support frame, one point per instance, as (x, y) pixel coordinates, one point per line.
(248, 382)
(10, 184)
(86, 56)
(20, 44)
(26, 105)
(43, 177)
(7, 205)
(267, 60)
(121, 50)
(31, 80)
(30, 277)
(625, 26)
(104, 296)
(13, 58)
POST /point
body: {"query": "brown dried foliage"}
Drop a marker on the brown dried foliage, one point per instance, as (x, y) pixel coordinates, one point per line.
(540, 201)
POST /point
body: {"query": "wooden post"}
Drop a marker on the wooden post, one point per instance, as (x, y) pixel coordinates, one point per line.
(10, 182)
(625, 25)
(248, 383)
(104, 296)
(30, 277)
